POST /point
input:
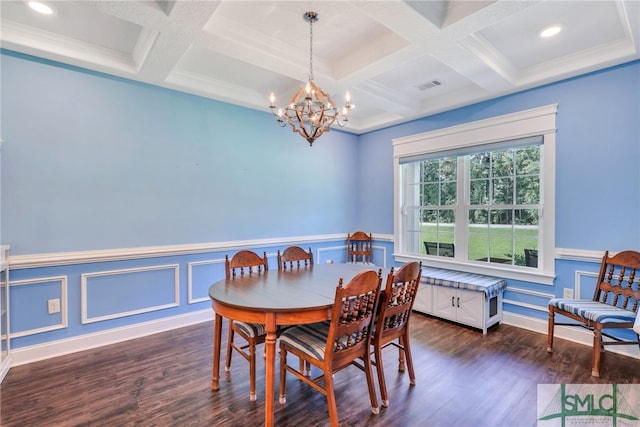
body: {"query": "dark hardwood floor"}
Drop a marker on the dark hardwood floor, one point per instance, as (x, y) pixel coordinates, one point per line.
(463, 379)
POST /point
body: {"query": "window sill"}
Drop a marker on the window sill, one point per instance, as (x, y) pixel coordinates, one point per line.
(499, 270)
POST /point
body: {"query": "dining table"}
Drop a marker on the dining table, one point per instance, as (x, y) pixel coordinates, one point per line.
(276, 298)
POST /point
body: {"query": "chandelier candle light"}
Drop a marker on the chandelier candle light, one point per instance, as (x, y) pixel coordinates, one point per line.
(311, 111)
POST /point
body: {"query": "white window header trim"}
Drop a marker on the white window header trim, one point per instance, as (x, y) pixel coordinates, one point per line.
(521, 124)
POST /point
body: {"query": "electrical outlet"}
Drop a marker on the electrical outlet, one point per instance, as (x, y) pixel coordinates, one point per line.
(568, 293)
(54, 306)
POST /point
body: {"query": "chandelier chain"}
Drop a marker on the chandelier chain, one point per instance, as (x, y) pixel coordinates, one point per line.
(311, 50)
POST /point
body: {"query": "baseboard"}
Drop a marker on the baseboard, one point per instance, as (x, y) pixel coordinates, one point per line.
(24, 355)
(577, 335)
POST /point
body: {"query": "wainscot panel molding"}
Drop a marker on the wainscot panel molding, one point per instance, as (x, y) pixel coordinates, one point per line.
(81, 257)
(50, 349)
(132, 289)
(61, 282)
(194, 270)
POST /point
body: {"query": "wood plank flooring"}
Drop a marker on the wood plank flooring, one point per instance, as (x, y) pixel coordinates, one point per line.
(463, 379)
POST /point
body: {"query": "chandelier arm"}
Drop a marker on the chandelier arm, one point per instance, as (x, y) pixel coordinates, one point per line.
(300, 129)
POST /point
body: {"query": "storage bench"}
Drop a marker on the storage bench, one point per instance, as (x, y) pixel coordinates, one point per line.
(471, 299)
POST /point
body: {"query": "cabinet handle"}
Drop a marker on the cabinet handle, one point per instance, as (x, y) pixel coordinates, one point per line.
(458, 302)
(452, 299)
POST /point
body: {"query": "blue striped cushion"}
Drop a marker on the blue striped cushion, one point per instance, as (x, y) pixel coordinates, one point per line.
(310, 339)
(491, 286)
(593, 310)
(251, 329)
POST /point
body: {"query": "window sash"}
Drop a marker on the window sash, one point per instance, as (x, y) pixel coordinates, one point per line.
(442, 233)
(471, 137)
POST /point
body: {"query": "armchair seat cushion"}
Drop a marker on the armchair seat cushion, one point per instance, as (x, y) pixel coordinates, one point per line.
(595, 311)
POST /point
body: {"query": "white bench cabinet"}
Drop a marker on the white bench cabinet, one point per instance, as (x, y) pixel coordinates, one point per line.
(458, 305)
(470, 299)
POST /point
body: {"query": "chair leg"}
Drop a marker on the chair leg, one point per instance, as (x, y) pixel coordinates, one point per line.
(371, 384)
(252, 370)
(305, 368)
(407, 353)
(401, 354)
(283, 374)
(550, 331)
(227, 366)
(597, 349)
(331, 397)
(381, 381)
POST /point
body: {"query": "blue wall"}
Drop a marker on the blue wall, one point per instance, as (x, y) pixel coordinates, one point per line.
(94, 163)
(597, 157)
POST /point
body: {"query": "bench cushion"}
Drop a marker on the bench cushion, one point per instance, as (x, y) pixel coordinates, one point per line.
(491, 286)
(595, 311)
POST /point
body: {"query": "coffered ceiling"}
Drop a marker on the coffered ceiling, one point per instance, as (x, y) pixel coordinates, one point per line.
(400, 60)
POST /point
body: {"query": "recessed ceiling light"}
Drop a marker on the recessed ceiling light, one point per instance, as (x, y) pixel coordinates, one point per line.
(550, 31)
(40, 7)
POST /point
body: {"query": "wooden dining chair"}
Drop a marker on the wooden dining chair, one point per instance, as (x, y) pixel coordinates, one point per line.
(359, 248)
(335, 344)
(245, 262)
(392, 324)
(294, 256)
(614, 305)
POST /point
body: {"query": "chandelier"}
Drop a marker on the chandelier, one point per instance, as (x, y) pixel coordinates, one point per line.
(311, 111)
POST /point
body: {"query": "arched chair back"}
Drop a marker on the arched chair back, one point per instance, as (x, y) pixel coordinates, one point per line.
(294, 257)
(247, 262)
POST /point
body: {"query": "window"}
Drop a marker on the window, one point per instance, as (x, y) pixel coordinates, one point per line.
(499, 199)
(479, 195)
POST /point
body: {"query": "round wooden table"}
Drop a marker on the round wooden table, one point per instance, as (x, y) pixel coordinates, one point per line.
(276, 297)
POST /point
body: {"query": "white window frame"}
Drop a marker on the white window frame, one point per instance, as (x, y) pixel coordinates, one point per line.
(539, 121)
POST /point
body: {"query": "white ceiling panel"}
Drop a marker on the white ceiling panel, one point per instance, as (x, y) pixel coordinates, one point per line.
(240, 51)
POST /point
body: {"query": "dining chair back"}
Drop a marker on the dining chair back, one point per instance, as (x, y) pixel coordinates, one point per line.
(335, 344)
(245, 262)
(294, 256)
(359, 247)
(392, 325)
